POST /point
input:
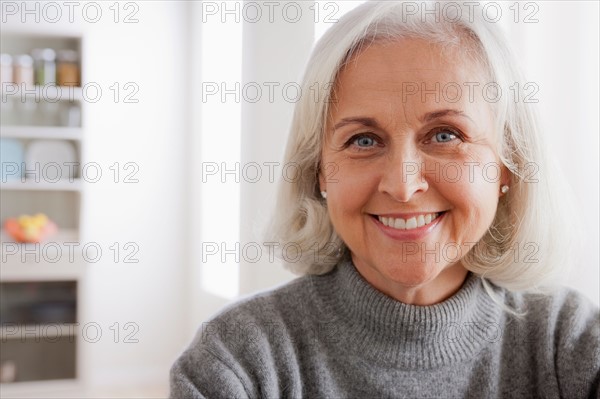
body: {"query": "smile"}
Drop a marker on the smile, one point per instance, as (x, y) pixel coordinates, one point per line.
(408, 224)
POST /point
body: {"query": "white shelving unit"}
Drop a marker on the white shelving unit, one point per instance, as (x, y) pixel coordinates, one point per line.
(32, 185)
(41, 291)
(58, 258)
(42, 132)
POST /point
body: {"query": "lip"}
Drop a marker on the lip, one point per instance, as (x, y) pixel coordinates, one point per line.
(407, 235)
(405, 215)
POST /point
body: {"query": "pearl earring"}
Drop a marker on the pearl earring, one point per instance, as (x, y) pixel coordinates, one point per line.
(504, 189)
(324, 194)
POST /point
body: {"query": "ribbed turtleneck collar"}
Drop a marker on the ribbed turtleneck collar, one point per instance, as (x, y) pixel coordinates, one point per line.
(408, 336)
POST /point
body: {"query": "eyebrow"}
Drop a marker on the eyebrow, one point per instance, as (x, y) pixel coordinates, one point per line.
(370, 122)
(428, 117)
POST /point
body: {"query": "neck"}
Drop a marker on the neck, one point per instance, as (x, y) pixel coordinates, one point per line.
(431, 290)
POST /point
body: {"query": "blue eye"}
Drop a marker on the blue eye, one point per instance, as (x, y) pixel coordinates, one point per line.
(364, 141)
(444, 136)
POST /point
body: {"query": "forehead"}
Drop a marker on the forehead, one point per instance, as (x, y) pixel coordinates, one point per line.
(409, 72)
(413, 58)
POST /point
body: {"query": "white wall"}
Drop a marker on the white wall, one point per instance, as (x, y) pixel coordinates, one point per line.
(264, 128)
(272, 52)
(559, 53)
(153, 134)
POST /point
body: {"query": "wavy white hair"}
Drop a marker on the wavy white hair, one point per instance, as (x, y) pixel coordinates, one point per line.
(520, 250)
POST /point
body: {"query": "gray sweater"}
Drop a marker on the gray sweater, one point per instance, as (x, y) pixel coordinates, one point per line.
(335, 336)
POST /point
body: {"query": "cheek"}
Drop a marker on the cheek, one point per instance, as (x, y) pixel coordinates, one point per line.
(473, 192)
(348, 194)
(352, 184)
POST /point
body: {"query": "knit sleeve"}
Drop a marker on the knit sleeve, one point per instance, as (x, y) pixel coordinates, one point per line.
(578, 348)
(200, 373)
(247, 350)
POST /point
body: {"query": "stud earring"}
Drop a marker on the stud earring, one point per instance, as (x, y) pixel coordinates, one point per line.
(504, 189)
(324, 194)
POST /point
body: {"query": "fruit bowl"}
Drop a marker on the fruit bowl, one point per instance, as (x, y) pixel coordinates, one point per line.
(30, 229)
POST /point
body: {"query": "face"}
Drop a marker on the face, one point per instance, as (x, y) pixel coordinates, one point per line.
(409, 165)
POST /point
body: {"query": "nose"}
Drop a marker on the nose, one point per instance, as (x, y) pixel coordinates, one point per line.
(404, 177)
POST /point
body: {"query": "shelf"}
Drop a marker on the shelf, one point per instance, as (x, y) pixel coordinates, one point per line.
(31, 355)
(41, 93)
(31, 185)
(44, 330)
(14, 271)
(63, 235)
(41, 132)
(64, 388)
(38, 262)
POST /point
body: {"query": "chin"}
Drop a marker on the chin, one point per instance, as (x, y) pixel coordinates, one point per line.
(412, 274)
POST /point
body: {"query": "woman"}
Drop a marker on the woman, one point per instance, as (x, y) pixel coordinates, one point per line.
(416, 185)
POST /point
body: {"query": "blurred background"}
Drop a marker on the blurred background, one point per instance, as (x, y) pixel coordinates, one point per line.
(141, 143)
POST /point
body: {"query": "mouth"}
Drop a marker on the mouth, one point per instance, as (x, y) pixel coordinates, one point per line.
(410, 223)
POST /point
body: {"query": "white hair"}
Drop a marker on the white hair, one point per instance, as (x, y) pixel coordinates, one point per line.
(524, 247)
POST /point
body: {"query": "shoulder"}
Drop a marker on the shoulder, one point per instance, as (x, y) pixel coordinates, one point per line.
(563, 308)
(256, 321)
(279, 304)
(235, 352)
(563, 327)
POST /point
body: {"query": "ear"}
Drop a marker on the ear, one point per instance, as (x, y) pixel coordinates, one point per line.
(505, 178)
(322, 180)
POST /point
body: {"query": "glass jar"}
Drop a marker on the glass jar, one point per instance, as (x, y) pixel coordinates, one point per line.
(23, 70)
(6, 69)
(67, 73)
(45, 66)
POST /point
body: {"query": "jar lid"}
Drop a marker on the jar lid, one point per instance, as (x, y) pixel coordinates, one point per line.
(43, 54)
(48, 54)
(5, 59)
(67, 56)
(24, 60)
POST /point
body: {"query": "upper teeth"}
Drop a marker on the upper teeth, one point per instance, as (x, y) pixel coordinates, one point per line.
(408, 224)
